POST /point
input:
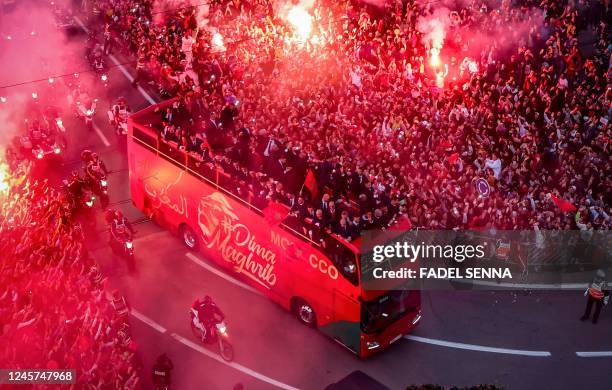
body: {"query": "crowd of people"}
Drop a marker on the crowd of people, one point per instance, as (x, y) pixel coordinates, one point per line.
(54, 309)
(385, 132)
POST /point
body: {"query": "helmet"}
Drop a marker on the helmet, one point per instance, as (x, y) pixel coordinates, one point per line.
(207, 300)
(118, 214)
(94, 156)
(162, 358)
(109, 215)
(86, 154)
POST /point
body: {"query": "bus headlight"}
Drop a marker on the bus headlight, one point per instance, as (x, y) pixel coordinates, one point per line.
(372, 345)
(416, 318)
(57, 150)
(40, 154)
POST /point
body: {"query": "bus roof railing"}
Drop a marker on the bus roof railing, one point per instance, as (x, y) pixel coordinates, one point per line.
(145, 119)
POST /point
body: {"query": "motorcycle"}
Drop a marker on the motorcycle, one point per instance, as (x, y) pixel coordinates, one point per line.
(47, 150)
(87, 199)
(97, 61)
(218, 334)
(99, 184)
(122, 242)
(63, 19)
(81, 203)
(87, 112)
(39, 146)
(53, 120)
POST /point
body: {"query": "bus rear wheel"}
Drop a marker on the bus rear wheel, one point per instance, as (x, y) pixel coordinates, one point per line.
(305, 313)
(189, 238)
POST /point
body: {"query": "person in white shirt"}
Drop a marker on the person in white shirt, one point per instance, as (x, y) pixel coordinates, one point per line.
(186, 47)
(494, 163)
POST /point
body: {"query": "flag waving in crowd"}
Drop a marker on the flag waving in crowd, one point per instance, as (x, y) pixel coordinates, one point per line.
(311, 183)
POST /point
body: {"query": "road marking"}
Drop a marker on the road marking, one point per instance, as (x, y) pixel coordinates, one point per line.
(101, 135)
(221, 274)
(473, 347)
(233, 365)
(595, 354)
(148, 321)
(80, 23)
(131, 79)
(120, 66)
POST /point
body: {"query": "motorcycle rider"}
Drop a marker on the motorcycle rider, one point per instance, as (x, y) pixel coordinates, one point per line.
(76, 185)
(95, 166)
(86, 156)
(95, 57)
(36, 132)
(95, 169)
(84, 104)
(118, 222)
(120, 305)
(78, 96)
(208, 316)
(162, 370)
(52, 118)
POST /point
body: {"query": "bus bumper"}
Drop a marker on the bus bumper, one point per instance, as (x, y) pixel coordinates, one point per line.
(374, 343)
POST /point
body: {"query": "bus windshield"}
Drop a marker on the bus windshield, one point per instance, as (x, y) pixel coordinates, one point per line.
(378, 314)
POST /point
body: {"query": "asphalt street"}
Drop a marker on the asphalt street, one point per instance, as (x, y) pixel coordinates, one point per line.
(521, 340)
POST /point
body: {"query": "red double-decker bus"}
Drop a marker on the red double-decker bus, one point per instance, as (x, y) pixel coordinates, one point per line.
(319, 281)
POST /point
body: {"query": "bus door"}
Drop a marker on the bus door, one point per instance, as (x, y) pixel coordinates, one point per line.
(346, 327)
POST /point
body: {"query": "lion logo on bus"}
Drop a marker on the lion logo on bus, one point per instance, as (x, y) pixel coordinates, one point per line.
(214, 210)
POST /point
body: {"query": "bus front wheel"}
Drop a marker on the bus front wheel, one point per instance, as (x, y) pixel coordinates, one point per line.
(189, 237)
(305, 313)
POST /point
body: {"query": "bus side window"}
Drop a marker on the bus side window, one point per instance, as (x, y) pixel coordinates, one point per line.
(344, 259)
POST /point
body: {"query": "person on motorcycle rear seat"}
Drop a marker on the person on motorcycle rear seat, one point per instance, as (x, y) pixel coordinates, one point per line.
(95, 166)
(36, 132)
(75, 185)
(121, 109)
(120, 223)
(120, 304)
(161, 370)
(79, 96)
(86, 156)
(208, 313)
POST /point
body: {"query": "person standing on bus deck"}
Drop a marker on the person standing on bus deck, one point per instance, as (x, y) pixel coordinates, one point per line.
(597, 293)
